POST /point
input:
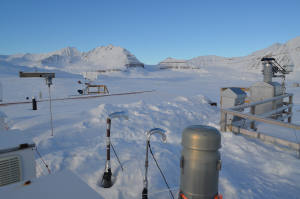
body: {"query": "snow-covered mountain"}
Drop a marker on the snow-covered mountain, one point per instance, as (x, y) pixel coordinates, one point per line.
(110, 58)
(71, 60)
(174, 63)
(285, 54)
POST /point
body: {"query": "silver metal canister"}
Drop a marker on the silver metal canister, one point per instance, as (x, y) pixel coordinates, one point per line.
(200, 162)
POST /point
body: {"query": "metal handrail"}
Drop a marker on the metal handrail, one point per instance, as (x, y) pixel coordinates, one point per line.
(261, 119)
(261, 102)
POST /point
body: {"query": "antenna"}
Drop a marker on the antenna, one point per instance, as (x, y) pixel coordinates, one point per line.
(48, 77)
(163, 137)
(121, 114)
(106, 181)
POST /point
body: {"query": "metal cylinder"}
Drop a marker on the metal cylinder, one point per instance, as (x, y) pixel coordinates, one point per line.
(34, 104)
(200, 162)
(267, 71)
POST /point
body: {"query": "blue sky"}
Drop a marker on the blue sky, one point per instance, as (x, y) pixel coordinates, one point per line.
(150, 29)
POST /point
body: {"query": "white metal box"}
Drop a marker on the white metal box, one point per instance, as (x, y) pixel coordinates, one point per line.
(231, 97)
(261, 91)
(17, 164)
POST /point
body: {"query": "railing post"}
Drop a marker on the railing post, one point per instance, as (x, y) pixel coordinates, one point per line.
(290, 109)
(299, 151)
(252, 125)
(223, 120)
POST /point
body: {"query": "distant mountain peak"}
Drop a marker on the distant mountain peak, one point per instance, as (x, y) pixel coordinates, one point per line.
(68, 51)
(286, 54)
(70, 59)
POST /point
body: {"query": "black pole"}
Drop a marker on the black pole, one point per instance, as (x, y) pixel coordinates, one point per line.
(145, 193)
(145, 190)
(34, 104)
(106, 180)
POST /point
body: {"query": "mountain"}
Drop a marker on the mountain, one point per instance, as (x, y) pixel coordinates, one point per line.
(175, 63)
(71, 60)
(111, 58)
(285, 54)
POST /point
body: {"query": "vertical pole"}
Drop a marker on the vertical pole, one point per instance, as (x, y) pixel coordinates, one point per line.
(221, 89)
(50, 106)
(107, 166)
(34, 104)
(252, 125)
(106, 179)
(299, 151)
(1, 95)
(290, 109)
(223, 121)
(145, 190)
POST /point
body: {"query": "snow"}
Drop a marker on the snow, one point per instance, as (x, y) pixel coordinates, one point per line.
(251, 168)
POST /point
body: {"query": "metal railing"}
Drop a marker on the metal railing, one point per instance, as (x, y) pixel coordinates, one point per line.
(262, 118)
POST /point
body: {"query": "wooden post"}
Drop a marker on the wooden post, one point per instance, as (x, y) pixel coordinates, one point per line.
(290, 109)
(223, 121)
(252, 125)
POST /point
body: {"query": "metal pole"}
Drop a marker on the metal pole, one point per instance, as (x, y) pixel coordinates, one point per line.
(145, 190)
(50, 107)
(106, 180)
(252, 125)
(108, 122)
(290, 109)
(223, 121)
(34, 104)
(149, 133)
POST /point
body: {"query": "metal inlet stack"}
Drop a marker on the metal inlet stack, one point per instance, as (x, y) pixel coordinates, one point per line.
(200, 162)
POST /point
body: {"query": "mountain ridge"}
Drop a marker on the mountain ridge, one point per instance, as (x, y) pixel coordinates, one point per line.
(70, 59)
(286, 54)
(110, 58)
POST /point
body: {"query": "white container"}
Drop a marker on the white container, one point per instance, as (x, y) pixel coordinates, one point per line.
(261, 91)
(17, 164)
(231, 97)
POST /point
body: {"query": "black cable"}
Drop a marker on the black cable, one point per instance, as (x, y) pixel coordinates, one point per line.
(162, 174)
(49, 171)
(116, 155)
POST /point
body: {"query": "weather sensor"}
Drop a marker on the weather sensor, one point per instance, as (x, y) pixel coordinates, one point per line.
(48, 77)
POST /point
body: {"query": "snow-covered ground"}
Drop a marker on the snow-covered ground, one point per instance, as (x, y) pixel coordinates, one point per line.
(251, 168)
